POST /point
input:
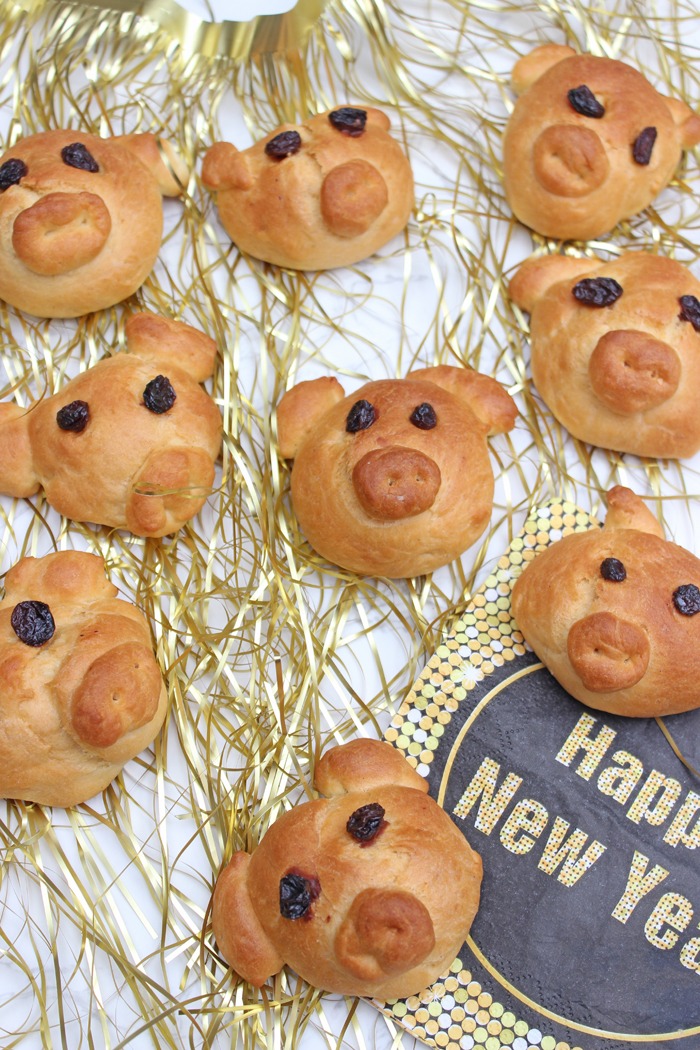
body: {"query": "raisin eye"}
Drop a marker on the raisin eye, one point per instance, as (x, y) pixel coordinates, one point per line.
(643, 146)
(295, 896)
(597, 291)
(612, 569)
(361, 416)
(33, 623)
(74, 416)
(11, 172)
(690, 310)
(159, 395)
(284, 145)
(423, 416)
(365, 822)
(584, 102)
(78, 156)
(348, 120)
(686, 599)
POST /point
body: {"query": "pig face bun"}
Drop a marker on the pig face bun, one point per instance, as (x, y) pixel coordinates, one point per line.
(369, 891)
(614, 613)
(589, 142)
(326, 192)
(395, 479)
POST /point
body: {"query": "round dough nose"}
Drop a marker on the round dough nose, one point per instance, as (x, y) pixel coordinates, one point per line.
(396, 482)
(61, 232)
(631, 371)
(608, 653)
(570, 161)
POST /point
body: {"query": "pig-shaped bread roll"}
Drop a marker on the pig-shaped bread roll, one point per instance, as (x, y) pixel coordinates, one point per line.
(81, 690)
(615, 349)
(81, 218)
(325, 192)
(130, 443)
(589, 142)
(395, 479)
(613, 613)
(369, 891)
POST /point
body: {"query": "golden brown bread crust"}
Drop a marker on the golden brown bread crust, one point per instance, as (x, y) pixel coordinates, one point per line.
(619, 646)
(76, 708)
(335, 201)
(74, 240)
(129, 467)
(570, 175)
(385, 917)
(394, 499)
(624, 376)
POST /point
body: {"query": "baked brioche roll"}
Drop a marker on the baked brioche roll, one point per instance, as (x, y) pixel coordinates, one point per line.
(81, 218)
(326, 192)
(589, 142)
(130, 443)
(613, 613)
(615, 349)
(370, 891)
(395, 479)
(82, 693)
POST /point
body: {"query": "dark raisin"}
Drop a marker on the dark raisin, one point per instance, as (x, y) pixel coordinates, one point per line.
(33, 623)
(348, 120)
(597, 291)
(74, 416)
(612, 569)
(584, 102)
(11, 172)
(365, 822)
(361, 416)
(423, 416)
(78, 156)
(686, 599)
(295, 896)
(643, 145)
(690, 310)
(284, 145)
(158, 395)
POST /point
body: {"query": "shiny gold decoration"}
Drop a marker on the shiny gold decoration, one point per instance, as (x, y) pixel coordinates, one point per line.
(270, 654)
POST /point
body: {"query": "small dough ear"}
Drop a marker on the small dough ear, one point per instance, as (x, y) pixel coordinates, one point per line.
(224, 168)
(364, 764)
(530, 67)
(627, 511)
(66, 576)
(300, 409)
(237, 929)
(537, 275)
(162, 160)
(151, 336)
(491, 404)
(377, 118)
(686, 119)
(17, 475)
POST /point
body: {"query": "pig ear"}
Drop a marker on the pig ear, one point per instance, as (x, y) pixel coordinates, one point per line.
(224, 168)
(687, 120)
(530, 67)
(17, 474)
(300, 409)
(491, 404)
(162, 160)
(237, 929)
(151, 336)
(537, 274)
(627, 511)
(364, 764)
